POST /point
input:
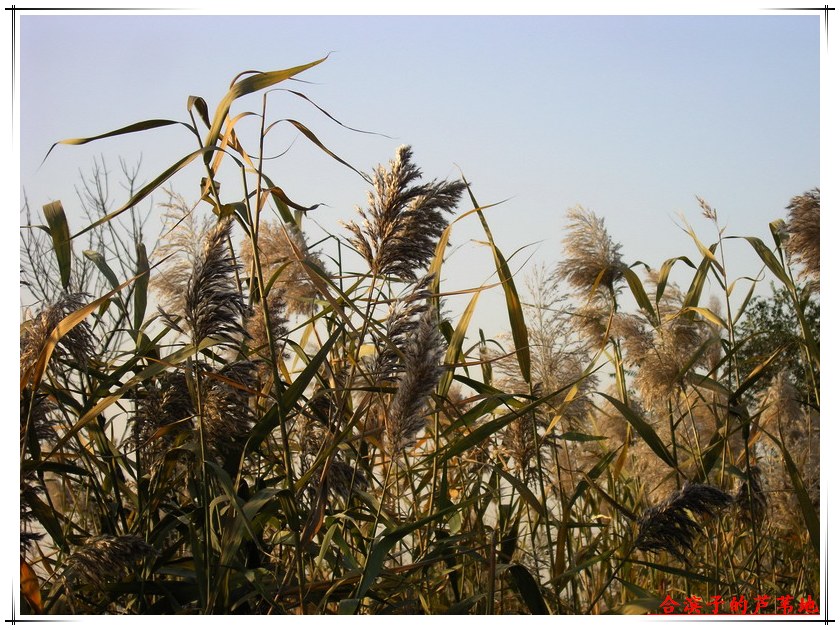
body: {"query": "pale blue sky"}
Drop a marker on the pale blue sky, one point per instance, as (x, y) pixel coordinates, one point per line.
(629, 116)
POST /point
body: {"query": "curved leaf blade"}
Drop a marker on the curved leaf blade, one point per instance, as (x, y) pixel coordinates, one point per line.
(144, 125)
(518, 329)
(245, 86)
(528, 588)
(141, 287)
(60, 233)
(644, 430)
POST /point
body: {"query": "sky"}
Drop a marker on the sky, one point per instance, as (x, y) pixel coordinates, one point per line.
(630, 116)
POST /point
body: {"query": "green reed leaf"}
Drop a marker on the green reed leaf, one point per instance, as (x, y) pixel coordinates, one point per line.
(144, 125)
(141, 287)
(60, 233)
(252, 83)
(645, 431)
(528, 589)
(518, 328)
(639, 293)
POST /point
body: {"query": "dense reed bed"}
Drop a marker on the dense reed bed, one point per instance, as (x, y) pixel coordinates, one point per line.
(242, 422)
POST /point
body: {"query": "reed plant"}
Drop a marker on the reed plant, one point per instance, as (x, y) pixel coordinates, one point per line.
(240, 422)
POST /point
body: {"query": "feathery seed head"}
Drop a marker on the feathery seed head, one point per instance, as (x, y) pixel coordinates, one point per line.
(782, 414)
(751, 500)
(635, 335)
(518, 442)
(804, 230)
(671, 525)
(40, 421)
(707, 210)
(284, 251)
(660, 371)
(106, 558)
(407, 412)
(228, 417)
(403, 223)
(342, 479)
(77, 342)
(167, 410)
(781, 408)
(592, 259)
(180, 247)
(400, 324)
(213, 304)
(666, 353)
(257, 331)
(164, 411)
(28, 496)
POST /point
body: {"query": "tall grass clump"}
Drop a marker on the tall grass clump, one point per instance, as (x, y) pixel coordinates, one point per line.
(240, 418)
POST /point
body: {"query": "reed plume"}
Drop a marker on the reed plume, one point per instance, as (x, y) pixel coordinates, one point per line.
(782, 409)
(686, 329)
(343, 479)
(407, 412)
(257, 330)
(751, 499)
(404, 221)
(400, 325)
(783, 414)
(714, 351)
(706, 209)
(558, 355)
(228, 416)
(593, 260)
(518, 442)
(637, 338)
(593, 319)
(804, 229)
(165, 410)
(672, 525)
(39, 421)
(76, 343)
(177, 252)
(610, 422)
(198, 285)
(284, 255)
(29, 492)
(313, 436)
(661, 369)
(106, 558)
(665, 353)
(561, 367)
(213, 304)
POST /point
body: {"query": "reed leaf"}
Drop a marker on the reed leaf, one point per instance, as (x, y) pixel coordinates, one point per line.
(639, 293)
(812, 519)
(518, 329)
(257, 81)
(141, 287)
(528, 589)
(645, 431)
(144, 125)
(455, 348)
(60, 233)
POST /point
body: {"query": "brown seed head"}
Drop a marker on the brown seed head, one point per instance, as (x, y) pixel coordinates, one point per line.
(592, 259)
(804, 229)
(404, 221)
